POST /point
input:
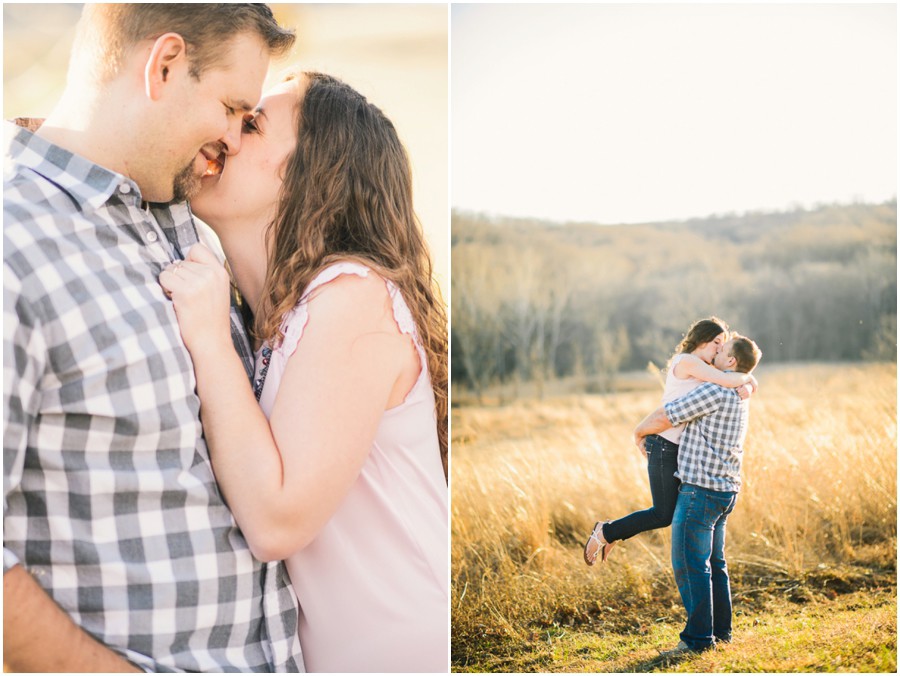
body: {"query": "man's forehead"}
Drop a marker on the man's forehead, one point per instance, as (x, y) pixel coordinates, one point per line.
(243, 70)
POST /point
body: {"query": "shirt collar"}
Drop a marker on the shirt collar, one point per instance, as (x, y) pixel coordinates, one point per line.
(88, 184)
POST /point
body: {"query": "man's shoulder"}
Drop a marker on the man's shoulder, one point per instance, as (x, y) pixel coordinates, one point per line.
(705, 397)
(726, 396)
(710, 389)
(36, 213)
(27, 195)
(34, 210)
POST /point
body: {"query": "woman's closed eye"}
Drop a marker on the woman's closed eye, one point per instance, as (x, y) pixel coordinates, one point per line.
(249, 126)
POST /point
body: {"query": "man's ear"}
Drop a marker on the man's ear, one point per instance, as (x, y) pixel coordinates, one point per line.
(168, 53)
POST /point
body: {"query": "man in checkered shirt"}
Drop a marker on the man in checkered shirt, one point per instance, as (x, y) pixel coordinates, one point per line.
(119, 553)
(709, 467)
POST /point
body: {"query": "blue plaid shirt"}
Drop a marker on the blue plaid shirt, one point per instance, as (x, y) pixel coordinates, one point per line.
(712, 444)
(109, 498)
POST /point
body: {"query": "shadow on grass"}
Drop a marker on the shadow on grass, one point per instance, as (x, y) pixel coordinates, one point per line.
(658, 662)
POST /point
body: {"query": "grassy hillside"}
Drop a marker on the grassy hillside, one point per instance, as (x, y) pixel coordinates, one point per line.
(535, 301)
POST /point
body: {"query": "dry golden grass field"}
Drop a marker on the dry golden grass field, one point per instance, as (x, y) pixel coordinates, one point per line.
(812, 544)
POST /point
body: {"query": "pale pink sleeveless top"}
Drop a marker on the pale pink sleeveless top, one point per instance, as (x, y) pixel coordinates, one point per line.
(373, 585)
(676, 387)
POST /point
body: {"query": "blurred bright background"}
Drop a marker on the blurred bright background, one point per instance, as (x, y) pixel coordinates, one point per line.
(639, 112)
(396, 55)
(622, 170)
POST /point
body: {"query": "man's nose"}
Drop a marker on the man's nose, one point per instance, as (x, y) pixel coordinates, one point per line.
(232, 137)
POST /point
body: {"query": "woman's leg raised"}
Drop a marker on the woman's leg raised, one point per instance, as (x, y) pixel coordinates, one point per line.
(662, 462)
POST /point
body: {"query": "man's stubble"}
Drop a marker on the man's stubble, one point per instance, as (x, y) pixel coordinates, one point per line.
(186, 184)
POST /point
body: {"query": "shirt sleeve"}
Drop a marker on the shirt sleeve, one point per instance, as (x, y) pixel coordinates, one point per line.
(24, 358)
(697, 403)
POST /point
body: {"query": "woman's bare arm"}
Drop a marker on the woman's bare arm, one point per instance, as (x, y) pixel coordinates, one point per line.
(283, 478)
(694, 367)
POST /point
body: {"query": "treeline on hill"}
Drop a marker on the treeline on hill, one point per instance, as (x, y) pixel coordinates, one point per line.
(533, 301)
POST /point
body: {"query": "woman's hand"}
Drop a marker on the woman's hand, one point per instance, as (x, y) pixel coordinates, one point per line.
(747, 389)
(641, 442)
(199, 288)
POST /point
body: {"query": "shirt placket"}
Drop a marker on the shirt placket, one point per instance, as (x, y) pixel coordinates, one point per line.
(144, 225)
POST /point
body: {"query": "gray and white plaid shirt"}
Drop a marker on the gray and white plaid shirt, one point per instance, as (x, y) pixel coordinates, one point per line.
(109, 498)
(712, 443)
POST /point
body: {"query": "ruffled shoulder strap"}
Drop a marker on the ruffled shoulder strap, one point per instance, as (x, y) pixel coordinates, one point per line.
(295, 321)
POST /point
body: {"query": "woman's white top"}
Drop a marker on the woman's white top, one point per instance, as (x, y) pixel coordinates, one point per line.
(676, 387)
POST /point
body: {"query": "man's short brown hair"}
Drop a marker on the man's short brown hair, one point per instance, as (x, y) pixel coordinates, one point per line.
(745, 352)
(110, 30)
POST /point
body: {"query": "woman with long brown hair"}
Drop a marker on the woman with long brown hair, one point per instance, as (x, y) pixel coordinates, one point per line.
(689, 367)
(340, 468)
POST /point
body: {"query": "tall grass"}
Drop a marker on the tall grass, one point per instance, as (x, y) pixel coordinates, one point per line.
(530, 479)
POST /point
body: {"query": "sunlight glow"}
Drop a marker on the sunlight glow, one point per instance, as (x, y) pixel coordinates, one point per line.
(639, 112)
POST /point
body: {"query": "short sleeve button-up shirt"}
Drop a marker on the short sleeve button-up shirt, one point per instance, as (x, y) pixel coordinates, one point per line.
(109, 497)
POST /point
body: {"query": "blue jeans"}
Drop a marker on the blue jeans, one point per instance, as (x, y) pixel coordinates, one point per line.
(698, 559)
(662, 461)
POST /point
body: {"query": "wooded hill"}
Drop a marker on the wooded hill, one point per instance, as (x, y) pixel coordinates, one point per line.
(535, 300)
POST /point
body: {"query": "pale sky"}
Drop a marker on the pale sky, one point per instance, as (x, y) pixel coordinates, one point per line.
(638, 112)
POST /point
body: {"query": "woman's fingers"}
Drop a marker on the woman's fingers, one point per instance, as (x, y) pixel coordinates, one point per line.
(181, 276)
(188, 270)
(199, 253)
(202, 261)
(199, 291)
(192, 278)
(169, 279)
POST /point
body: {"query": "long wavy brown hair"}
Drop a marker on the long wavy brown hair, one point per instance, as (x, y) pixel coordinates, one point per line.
(702, 331)
(347, 195)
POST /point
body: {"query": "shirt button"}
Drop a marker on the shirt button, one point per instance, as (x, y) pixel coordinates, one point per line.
(124, 188)
(152, 236)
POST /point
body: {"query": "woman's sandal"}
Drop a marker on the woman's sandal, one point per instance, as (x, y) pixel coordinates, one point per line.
(597, 545)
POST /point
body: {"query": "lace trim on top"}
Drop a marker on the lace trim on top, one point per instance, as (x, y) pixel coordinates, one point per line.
(295, 321)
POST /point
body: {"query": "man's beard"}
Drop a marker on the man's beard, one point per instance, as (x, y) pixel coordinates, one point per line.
(186, 184)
